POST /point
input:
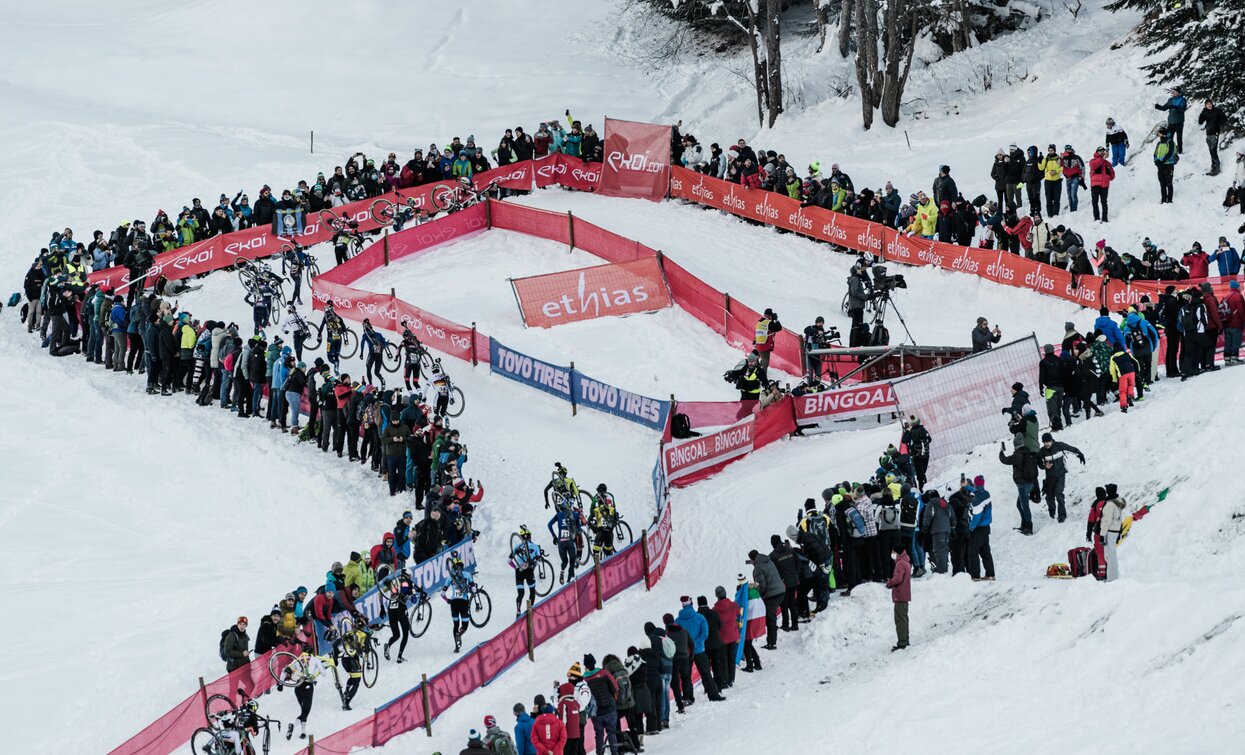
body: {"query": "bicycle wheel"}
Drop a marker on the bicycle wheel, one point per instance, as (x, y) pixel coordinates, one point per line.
(208, 741)
(584, 550)
(622, 534)
(391, 359)
(330, 220)
(217, 706)
(425, 361)
(586, 499)
(371, 667)
(442, 196)
(286, 668)
(312, 268)
(246, 272)
(480, 607)
(383, 211)
(457, 403)
(544, 577)
(420, 616)
(314, 335)
(350, 344)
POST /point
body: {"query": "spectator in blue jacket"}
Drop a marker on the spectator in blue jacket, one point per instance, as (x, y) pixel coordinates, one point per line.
(697, 629)
(1106, 326)
(523, 731)
(1228, 259)
(981, 516)
(1175, 107)
(119, 320)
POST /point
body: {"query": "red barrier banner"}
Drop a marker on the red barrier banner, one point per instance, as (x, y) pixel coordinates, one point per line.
(568, 171)
(455, 682)
(545, 224)
(697, 298)
(659, 545)
(690, 460)
(426, 236)
(637, 160)
(620, 572)
(591, 292)
(607, 245)
(871, 398)
(507, 647)
(554, 614)
(435, 331)
(514, 176)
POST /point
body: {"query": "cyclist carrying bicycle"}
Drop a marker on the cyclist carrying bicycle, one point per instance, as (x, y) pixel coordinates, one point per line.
(334, 327)
(296, 326)
(567, 526)
(602, 517)
(244, 725)
(260, 299)
(343, 234)
(562, 485)
(411, 350)
(440, 386)
(375, 344)
(349, 655)
(304, 691)
(523, 556)
(396, 594)
(295, 262)
(457, 592)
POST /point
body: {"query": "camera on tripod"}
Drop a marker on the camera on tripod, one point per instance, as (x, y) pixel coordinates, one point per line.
(883, 283)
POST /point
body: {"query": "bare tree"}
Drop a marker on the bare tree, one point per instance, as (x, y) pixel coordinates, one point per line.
(894, 29)
(845, 26)
(761, 24)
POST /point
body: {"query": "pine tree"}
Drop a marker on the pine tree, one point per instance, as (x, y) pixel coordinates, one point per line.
(1199, 46)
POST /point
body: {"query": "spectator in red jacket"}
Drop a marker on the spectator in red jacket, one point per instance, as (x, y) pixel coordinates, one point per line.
(728, 614)
(900, 584)
(1020, 228)
(548, 733)
(1101, 174)
(1197, 261)
(384, 554)
(1214, 325)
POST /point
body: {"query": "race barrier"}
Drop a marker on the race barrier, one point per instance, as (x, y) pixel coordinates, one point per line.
(859, 235)
(611, 290)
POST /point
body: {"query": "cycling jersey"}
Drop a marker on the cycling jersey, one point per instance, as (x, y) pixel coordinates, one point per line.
(564, 526)
(525, 554)
(458, 587)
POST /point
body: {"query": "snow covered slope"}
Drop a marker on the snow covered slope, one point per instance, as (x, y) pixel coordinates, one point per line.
(133, 529)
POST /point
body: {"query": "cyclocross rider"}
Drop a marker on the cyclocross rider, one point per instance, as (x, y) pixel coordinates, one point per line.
(457, 592)
(305, 690)
(334, 327)
(411, 349)
(523, 555)
(396, 594)
(375, 344)
(566, 526)
(602, 518)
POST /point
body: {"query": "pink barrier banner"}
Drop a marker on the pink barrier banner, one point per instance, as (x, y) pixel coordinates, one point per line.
(659, 545)
(169, 732)
(714, 413)
(591, 292)
(555, 613)
(514, 176)
(698, 298)
(421, 238)
(608, 245)
(697, 458)
(870, 398)
(545, 224)
(622, 571)
(509, 646)
(637, 160)
(571, 172)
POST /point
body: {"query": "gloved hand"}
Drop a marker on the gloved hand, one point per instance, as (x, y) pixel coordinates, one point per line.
(1082, 461)
(1089, 534)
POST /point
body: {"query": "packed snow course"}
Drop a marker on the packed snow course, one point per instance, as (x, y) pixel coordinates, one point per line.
(159, 526)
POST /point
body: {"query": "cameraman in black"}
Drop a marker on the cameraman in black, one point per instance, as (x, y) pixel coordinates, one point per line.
(859, 291)
(817, 337)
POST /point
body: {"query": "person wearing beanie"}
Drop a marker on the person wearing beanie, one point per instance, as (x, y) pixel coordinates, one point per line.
(1111, 525)
(727, 612)
(681, 670)
(1053, 458)
(660, 673)
(983, 337)
(605, 692)
(788, 564)
(713, 645)
(1052, 382)
(572, 718)
(475, 745)
(981, 515)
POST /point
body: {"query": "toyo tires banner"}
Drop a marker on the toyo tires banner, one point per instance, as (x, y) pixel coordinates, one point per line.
(637, 160)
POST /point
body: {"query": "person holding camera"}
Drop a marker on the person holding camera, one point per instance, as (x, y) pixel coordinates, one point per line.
(767, 329)
(983, 337)
(859, 290)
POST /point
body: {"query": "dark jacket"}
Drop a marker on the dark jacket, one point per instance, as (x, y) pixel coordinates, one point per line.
(1057, 456)
(664, 665)
(237, 645)
(788, 565)
(1023, 463)
(766, 575)
(641, 681)
(166, 342)
(1051, 372)
(682, 641)
(714, 639)
(296, 382)
(603, 687)
(266, 637)
(394, 439)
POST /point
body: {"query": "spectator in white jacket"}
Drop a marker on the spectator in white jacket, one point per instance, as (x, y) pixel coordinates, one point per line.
(1110, 526)
(693, 155)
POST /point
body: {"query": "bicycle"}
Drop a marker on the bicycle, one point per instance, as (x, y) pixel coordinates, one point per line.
(622, 538)
(315, 336)
(289, 670)
(222, 715)
(386, 212)
(447, 198)
(457, 402)
(542, 570)
(479, 606)
(391, 357)
(359, 640)
(420, 612)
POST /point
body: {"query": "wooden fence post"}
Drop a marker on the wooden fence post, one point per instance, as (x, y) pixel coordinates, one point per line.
(531, 633)
(386, 243)
(203, 691)
(311, 744)
(644, 552)
(473, 345)
(570, 229)
(423, 689)
(488, 214)
(596, 572)
(574, 407)
(726, 309)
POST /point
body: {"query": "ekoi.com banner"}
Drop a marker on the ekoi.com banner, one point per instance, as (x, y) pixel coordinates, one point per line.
(601, 291)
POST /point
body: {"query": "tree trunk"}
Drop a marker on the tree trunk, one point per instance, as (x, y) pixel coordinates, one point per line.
(823, 14)
(867, 58)
(897, 49)
(773, 58)
(845, 26)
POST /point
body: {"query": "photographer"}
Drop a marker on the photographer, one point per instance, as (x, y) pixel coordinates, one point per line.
(817, 337)
(767, 328)
(747, 376)
(859, 291)
(983, 337)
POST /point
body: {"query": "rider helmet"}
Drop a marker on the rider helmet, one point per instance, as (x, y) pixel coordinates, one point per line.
(465, 182)
(601, 488)
(524, 532)
(352, 223)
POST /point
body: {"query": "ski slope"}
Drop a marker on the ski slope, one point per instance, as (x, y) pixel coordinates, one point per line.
(134, 529)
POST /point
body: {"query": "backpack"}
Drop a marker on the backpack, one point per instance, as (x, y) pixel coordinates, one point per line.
(907, 511)
(624, 688)
(1079, 562)
(668, 647)
(681, 427)
(1138, 340)
(224, 635)
(1188, 318)
(817, 528)
(857, 521)
(889, 516)
(587, 701)
(502, 744)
